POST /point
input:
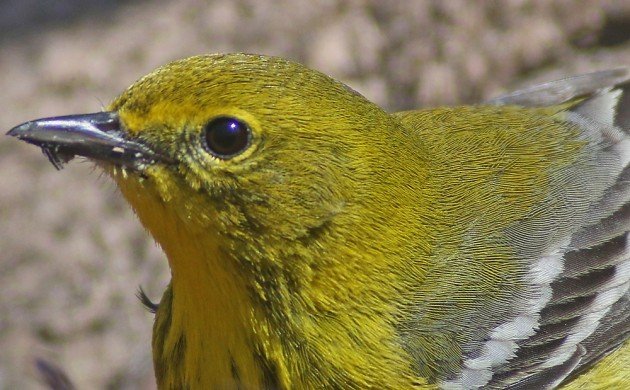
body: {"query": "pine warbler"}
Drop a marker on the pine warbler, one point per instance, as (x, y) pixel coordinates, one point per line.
(317, 241)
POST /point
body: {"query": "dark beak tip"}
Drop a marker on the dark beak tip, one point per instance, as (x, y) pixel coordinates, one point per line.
(18, 130)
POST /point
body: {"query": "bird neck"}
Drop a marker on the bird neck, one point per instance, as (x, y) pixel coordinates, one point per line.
(208, 333)
(222, 324)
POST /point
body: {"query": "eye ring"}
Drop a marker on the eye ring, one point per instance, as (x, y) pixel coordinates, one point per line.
(225, 137)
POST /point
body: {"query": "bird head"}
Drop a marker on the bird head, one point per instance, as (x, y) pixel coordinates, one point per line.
(262, 154)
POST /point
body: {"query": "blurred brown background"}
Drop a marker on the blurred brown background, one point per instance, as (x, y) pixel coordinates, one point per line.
(72, 254)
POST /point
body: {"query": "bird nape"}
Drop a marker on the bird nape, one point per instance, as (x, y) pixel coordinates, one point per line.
(315, 240)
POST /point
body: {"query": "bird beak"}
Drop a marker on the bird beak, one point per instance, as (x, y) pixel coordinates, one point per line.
(98, 136)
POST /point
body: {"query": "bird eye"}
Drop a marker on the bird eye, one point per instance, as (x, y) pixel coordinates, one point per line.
(226, 137)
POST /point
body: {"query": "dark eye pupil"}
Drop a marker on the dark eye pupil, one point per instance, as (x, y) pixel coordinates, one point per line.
(226, 137)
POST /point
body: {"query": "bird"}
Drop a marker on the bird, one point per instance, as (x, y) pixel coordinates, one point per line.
(316, 240)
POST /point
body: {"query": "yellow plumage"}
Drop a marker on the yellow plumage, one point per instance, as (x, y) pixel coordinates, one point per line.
(322, 242)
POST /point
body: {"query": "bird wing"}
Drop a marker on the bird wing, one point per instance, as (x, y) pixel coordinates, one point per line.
(588, 313)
